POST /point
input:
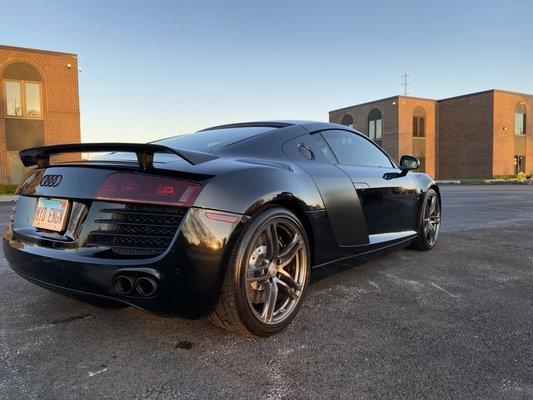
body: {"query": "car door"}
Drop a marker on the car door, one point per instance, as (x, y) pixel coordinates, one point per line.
(388, 197)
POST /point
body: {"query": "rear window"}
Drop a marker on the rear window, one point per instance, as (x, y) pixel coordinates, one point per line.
(212, 140)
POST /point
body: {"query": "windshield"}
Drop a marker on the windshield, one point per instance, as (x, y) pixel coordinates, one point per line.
(212, 140)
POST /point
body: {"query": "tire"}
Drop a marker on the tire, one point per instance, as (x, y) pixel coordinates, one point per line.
(261, 297)
(429, 222)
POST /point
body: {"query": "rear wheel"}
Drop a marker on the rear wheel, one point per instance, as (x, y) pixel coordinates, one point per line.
(429, 225)
(267, 275)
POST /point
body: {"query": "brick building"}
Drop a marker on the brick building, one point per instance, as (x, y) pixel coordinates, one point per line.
(39, 104)
(478, 135)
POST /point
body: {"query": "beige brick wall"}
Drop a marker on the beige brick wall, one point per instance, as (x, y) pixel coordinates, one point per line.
(408, 145)
(506, 143)
(61, 112)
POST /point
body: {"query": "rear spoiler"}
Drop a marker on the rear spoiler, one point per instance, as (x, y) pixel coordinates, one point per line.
(40, 156)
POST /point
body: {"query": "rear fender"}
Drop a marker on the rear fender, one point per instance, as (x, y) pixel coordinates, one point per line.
(247, 190)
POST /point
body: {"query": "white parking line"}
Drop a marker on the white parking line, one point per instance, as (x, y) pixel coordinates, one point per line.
(91, 374)
(444, 290)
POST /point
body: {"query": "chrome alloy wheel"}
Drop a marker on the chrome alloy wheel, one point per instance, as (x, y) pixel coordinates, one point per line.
(276, 271)
(432, 218)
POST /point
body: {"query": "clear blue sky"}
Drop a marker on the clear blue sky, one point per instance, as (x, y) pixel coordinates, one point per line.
(157, 68)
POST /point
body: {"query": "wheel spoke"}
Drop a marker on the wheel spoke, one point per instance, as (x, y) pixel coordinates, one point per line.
(261, 278)
(432, 204)
(270, 302)
(431, 231)
(294, 294)
(258, 268)
(272, 241)
(426, 226)
(435, 218)
(290, 280)
(290, 251)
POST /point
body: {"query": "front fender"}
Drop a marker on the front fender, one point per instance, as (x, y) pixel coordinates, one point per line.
(423, 181)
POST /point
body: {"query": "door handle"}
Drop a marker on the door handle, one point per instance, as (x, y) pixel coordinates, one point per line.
(392, 175)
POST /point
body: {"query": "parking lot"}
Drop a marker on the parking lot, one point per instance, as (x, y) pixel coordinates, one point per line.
(453, 323)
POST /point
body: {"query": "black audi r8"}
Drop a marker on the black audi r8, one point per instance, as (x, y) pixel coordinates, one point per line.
(226, 222)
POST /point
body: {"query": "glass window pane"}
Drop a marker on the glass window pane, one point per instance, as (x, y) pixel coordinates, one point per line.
(352, 149)
(324, 148)
(378, 129)
(372, 129)
(33, 99)
(519, 123)
(415, 126)
(422, 127)
(213, 139)
(13, 99)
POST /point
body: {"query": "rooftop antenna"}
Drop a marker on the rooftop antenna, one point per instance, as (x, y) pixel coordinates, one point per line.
(405, 83)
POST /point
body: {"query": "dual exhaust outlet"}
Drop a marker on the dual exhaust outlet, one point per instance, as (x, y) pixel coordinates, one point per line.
(144, 286)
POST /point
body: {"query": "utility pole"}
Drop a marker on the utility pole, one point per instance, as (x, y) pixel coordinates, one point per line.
(405, 83)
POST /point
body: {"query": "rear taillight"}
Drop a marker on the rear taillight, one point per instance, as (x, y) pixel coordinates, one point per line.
(134, 188)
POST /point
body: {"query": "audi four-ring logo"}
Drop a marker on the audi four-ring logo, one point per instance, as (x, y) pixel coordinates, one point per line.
(51, 180)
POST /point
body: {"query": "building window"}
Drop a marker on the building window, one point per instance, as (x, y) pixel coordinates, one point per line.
(13, 99)
(520, 119)
(419, 122)
(375, 125)
(347, 120)
(23, 99)
(519, 164)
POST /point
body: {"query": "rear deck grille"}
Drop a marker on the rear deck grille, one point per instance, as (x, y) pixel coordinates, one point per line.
(136, 230)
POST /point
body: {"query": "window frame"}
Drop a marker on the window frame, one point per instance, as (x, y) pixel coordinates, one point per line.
(524, 122)
(375, 125)
(375, 115)
(419, 121)
(23, 99)
(517, 163)
(362, 136)
(353, 120)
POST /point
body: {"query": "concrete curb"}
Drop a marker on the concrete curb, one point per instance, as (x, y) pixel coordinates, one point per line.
(7, 199)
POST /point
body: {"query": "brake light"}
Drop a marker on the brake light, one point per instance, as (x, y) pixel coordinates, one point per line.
(134, 188)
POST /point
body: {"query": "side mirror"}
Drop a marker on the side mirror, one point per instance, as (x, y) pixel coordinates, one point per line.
(408, 163)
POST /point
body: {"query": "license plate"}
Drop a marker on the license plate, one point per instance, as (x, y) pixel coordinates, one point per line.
(51, 214)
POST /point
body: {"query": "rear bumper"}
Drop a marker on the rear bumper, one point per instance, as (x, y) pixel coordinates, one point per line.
(188, 275)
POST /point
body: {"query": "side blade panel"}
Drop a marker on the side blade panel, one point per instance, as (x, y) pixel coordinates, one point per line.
(337, 191)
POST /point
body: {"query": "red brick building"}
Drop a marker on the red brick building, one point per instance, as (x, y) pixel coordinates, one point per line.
(478, 135)
(39, 104)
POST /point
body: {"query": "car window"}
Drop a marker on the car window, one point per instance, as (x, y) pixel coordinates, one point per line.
(324, 148)
(351, 149)
(212, 139)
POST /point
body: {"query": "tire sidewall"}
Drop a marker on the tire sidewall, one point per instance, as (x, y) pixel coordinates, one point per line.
(256, 224)
(421, 233)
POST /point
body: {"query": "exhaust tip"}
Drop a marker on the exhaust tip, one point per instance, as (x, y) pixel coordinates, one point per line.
(124, 284)
(146, 286)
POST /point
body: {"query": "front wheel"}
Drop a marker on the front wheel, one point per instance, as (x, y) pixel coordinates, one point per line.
(267, 275)
(429, 223)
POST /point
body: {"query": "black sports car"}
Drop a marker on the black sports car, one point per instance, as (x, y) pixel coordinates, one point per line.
(225, 222)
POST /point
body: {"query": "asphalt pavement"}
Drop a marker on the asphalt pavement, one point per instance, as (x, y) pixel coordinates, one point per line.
(452, 323)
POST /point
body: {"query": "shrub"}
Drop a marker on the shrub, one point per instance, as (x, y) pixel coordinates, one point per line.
(521, 177)
(7, 188)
